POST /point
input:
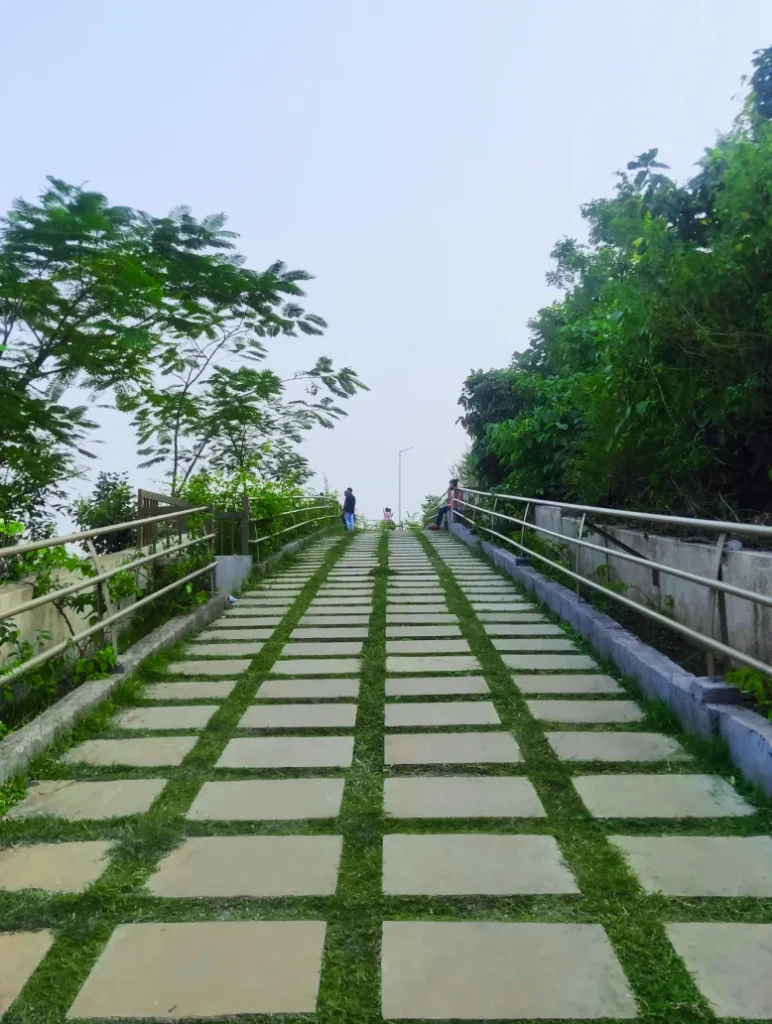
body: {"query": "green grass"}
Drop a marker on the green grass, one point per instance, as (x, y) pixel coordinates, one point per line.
(349, 991)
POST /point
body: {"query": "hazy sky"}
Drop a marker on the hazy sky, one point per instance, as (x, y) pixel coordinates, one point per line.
(420, 158)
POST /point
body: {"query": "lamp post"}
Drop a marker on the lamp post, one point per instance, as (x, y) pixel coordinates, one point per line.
(399, 500)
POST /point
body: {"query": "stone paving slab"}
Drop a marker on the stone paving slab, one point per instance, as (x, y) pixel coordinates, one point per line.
(415, 599)
(205, 969)
(211, 667)
(452, 748)
(514, 623)
(528, 629)
(268, 800)
(460, 796)
(322, 649)
(403, 610)
(408, 618)
(341, 602)
(439, 630)
(299, 716)
(234, 634)
(259, 866)
(316, 667)
(565, 682)
(474, 865)
(701, 865)
(399, 663)
(439, 713)
(660, 796)
(615, 746)
(229, 649)
(288, 589)
(535, 644)
(492, 606)
(521, 614)
(434, 686)
(53, 867)
(270, 603)
(307, 689)
(89, 801)
(427, 647)
(493, 970)
(313, 619)
(20, 954)
(731, 964)
(329, 633)
(189, 691)
(577, 711)
(244, 617)
(192, 716)
(142, 752)
(288, 752)
(548, 662)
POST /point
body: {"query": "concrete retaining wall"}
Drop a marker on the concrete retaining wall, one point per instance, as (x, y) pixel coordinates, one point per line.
(749, 626)
(706, 707)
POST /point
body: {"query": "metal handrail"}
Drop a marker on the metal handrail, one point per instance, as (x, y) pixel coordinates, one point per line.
(73, 538)
(295, 526)
(715, 586)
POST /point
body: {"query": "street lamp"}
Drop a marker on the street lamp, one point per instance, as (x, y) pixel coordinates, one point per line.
(399, 502)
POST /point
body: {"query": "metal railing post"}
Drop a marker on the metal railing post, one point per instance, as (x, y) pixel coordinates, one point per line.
(715, 572)
(245, 525)
(576, 558)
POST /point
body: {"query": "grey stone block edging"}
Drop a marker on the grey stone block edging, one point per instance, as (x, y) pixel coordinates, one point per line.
(706, 707)
(18, 749)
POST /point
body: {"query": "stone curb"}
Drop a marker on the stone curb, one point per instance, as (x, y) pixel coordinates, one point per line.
(18, 749)
(706, 707)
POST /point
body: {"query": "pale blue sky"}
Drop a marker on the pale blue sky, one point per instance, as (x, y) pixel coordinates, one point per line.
(421, 158)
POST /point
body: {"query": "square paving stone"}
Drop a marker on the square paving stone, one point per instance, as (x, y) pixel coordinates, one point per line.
(731, 965)
(89, 801)
(599, 711)
(548, 662)
(522, 614)
(660, 796)
(425, 609)
(461, 796)
(54, 867)
(299, 716)
(144, 752)
(452, 748)
(481, 970)
(474, 865)
(229, 649)
(439, 629)
(519, 630)
(316, 667)
(397, 600)
(321, 649)
(341, 602)
(189, 691)
(565, 682)
(408, 618)
(438, 713)
(247, 635)
(20, 954)
(489, 606)
(205, 969)
(532, 644)
(334, 620)
(329, 633)
(288, 752)
(701, 865)
(243, 617)
(260, 866)
(190, 717)
(427, 647)
(434, 686)
(307, 689)
(615, 746)
(417, 665)
(267, 800)
(209, 667)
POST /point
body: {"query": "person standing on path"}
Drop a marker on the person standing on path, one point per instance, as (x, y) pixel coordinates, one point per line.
(454, 494)
(349, 506)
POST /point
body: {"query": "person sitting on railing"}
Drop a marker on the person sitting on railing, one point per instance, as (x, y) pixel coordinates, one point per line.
(454, 494)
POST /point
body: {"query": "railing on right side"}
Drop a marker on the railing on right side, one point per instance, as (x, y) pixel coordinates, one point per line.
(486, 506)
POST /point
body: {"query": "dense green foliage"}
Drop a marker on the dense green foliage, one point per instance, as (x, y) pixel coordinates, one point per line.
(649, 383)
(163, 314)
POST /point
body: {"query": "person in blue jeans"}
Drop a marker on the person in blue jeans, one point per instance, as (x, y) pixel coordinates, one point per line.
(349, 506)
(454, 494)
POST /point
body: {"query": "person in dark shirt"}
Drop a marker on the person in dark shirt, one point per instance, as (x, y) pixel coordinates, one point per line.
(349, 506)
(454, 494)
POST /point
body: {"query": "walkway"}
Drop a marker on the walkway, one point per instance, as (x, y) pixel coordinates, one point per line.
(527, 842)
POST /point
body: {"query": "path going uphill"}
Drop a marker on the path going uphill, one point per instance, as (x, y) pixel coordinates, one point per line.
(383, 786)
